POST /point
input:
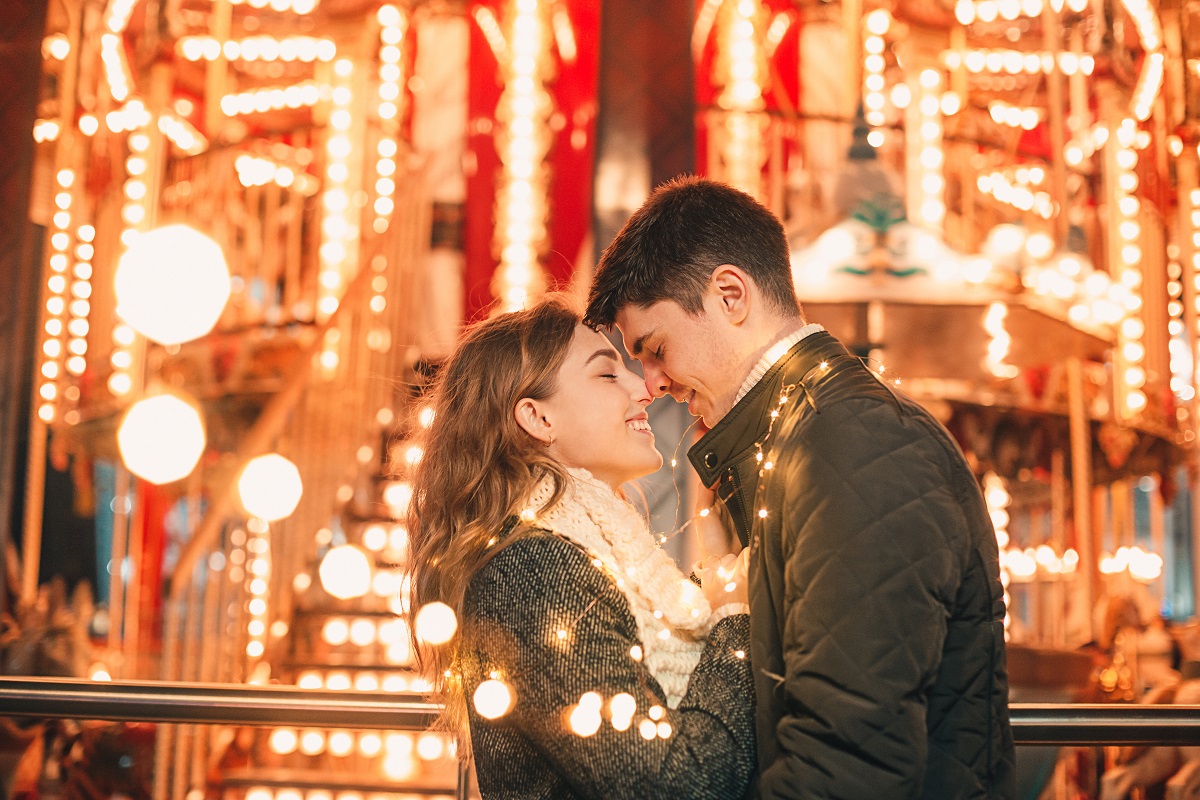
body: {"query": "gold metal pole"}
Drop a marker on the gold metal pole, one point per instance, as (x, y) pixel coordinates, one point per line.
(216, 76)
(39, 431)
(1056, 119)
(1081, 483)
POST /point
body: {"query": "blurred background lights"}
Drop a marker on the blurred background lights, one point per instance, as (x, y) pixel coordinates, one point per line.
(172, 284)
(161, 438)
(335, 632)
(283, 741)
(270, 487)
(345, 572)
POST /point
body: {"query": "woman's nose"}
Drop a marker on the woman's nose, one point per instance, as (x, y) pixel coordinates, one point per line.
(639, 390)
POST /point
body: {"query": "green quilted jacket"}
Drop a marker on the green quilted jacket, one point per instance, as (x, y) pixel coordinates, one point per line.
(875, 599)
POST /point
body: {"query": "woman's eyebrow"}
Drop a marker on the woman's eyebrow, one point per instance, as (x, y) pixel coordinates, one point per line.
(604, 352)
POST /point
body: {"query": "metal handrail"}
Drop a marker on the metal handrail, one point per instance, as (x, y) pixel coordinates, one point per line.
(236, 704)
(210, 703)
(1107, 724)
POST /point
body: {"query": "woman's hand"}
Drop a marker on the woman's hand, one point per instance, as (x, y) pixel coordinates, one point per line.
(723, 579)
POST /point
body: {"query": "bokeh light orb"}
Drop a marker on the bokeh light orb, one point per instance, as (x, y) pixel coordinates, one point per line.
(436, 623)
(161, 438)
(345, 572)
(270, 487)
(493, 699)
(172, 284)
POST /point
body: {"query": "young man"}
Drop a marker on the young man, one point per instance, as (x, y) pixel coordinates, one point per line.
(875, 597)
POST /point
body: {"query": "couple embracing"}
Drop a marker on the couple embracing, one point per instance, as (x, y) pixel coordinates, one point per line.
(853, 649)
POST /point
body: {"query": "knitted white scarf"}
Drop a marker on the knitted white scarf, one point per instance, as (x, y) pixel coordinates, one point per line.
(672, 614)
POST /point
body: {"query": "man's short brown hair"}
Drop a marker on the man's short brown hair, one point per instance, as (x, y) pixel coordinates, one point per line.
(668, 249)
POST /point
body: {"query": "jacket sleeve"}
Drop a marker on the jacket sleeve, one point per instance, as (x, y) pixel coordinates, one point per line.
(867, 578)
(512, 616)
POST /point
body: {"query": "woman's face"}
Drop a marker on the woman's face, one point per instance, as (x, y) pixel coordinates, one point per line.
(597, 414)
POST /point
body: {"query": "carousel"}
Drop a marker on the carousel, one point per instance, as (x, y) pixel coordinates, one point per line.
(262, 223)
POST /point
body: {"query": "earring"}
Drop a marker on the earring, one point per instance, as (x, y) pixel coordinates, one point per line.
(551, 440)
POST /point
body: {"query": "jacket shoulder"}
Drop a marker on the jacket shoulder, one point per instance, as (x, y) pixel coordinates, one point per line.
(534, 569)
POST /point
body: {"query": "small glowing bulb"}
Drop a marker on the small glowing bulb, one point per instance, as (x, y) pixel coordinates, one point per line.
(492, 699)
(436, 623)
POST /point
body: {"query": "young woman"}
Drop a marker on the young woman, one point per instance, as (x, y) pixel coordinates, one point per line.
(624, 678)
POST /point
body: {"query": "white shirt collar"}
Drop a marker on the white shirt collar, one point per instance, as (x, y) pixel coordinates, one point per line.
(772, 356)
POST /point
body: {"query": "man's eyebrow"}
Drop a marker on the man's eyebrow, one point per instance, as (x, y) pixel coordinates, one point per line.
(640, 342)
(603, 352)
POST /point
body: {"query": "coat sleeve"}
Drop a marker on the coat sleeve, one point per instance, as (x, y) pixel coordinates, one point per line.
(512, 616)
(865, 517)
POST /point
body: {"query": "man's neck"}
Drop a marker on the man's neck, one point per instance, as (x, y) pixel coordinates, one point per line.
(784, 338)
(786, 328)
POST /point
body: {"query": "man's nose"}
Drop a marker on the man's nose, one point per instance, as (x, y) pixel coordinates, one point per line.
(657, 383)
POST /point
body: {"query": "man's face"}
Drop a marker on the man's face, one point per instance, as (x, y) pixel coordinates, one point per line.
(684, 355)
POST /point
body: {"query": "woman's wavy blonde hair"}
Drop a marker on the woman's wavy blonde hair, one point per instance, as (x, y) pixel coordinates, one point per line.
(479, 465)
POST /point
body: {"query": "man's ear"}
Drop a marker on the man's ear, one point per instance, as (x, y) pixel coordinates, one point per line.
(730, 286)
(529, 416)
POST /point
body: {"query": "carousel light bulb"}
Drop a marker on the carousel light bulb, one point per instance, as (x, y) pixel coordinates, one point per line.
(172, 284)
(397, 496)
(338, 681)
(161, 438)
(369, 744)
(312, 742)
(430, 747)
(335, 632)
(341, 743)
(362, 632)
(270, 487)
(345, 572)
(283, 741)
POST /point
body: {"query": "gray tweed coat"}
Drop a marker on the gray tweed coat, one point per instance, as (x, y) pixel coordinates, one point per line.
(511, 614)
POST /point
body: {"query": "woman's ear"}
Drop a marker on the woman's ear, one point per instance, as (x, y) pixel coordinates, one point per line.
(529, 416)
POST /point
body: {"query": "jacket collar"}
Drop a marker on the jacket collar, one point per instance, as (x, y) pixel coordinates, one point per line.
(747, 422)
